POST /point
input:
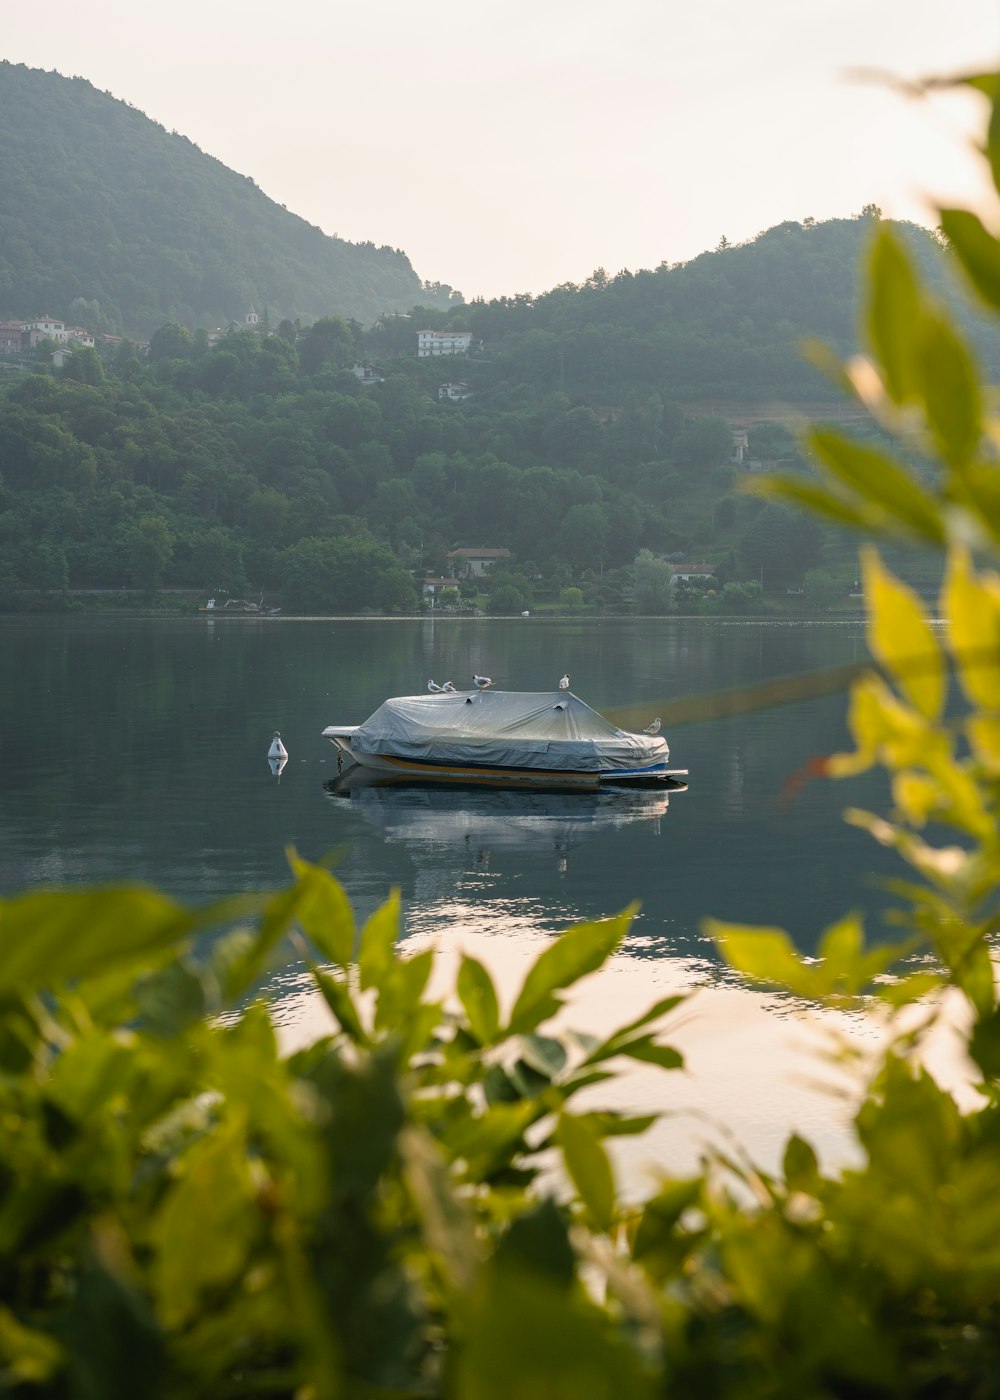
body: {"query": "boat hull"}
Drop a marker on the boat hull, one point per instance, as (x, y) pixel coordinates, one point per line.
(430, 771)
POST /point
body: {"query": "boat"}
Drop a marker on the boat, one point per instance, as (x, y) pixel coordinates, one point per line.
(505, 737)
(238, 607)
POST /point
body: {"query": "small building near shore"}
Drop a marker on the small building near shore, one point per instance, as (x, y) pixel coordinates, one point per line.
(686, 573)
(431, 587)
(474, 562)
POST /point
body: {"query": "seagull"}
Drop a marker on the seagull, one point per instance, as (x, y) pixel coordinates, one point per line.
(653, 728)
(433, 686)
(481, 682)
(277, 749)
(449, 688)
(564, 683)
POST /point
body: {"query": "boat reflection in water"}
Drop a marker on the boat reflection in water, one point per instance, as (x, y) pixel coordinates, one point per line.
(489, 821)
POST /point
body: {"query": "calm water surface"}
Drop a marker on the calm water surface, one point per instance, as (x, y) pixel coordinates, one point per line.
(137, 749)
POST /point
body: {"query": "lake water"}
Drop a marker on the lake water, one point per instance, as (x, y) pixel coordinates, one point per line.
(137, 749)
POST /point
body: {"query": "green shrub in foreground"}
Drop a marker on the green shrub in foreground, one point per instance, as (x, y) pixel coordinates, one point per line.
(184, 1212)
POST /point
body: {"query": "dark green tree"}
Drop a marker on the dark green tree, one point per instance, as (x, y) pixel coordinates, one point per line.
(780, 546)
(703, 443)
(150, 546)
(344, 575)
(84, 366)
(171, 342)
(328, 342)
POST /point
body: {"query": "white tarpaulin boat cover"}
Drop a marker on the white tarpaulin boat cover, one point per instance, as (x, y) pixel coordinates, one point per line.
(548, 730)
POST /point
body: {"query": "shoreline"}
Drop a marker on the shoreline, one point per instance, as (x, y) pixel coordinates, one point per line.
(775, 617)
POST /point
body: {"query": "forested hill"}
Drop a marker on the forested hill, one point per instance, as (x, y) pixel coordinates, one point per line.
(110, 221)
(578, 434)
(729, 324)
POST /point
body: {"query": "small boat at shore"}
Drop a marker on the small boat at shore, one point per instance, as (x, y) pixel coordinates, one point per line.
(503, 737)
(238, 607)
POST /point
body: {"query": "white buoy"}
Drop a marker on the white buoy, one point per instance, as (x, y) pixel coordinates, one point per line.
(277, 749)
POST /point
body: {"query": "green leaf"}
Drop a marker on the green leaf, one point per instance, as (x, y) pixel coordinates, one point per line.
(792, 490)
(50, 936)
(478, 997)
(212, 1201)
(974, 975)
(622, 1041)
(950, 390)
(900, 637)
(879, 480)
(589, 1168)
(654, 1013)
(171, 1000)
(400, 987)
(894, 313)
(543, 1054)
(977, 251)
(26, 1355)
(368, 1116)
(528, 1337)
(111, 1336)
(575, 953)
(490, 1139)
(984, 1046)
(246, 967)
(909, 989)
(987, 83)
(584, 1080)
(800, 1167)
(538, 1241)
(326, 914)
(498, 1087)
(656, 1244)
(765, 953)
(378, 942)
(611, 1124)
(338, 998)
(645, 1048)
(446, 1222)
(843, 941)
(93, 1070)
(845, 969)
(971, 603)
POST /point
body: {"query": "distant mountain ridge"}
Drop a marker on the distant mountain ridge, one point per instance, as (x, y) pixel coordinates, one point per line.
(109, 220)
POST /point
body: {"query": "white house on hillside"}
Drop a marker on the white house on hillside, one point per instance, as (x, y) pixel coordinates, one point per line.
(368, 374)
(684, 573)
(45, 328)
(474, 563)
(454, 392)
(443, 343)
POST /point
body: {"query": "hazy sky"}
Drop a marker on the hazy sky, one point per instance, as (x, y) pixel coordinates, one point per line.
(511, 146)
